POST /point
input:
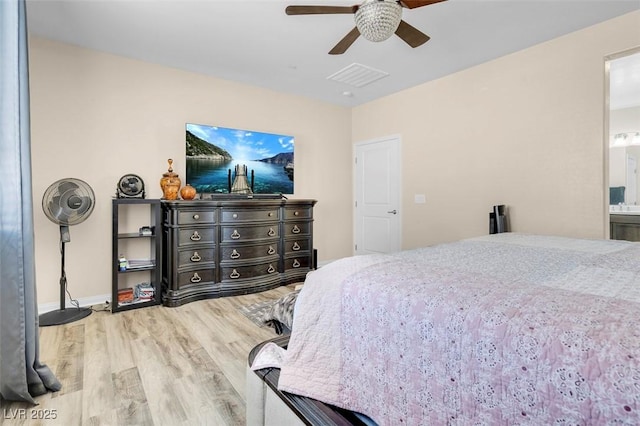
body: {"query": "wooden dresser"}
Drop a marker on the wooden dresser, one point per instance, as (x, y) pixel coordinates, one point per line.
(215, 248)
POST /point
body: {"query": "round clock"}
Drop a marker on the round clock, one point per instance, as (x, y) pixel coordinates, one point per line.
(130, 186)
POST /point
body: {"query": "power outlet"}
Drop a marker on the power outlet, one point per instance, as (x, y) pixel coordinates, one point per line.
(419, 199)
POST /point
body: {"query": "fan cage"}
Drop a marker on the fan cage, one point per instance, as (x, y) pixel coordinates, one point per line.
(68, 201)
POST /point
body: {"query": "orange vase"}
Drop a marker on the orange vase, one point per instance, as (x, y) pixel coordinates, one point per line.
(170, 183)
(188, 192)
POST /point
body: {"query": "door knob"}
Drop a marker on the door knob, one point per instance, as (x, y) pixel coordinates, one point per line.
(394, 211)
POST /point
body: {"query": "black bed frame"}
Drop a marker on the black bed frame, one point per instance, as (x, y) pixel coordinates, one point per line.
(310, 411)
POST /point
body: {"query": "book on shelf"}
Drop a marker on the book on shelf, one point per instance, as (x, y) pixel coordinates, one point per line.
(140, 263)
(144, 292)
(125, 296)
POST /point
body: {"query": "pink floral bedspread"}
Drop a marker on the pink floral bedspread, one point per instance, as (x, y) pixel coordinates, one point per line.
(507, 329)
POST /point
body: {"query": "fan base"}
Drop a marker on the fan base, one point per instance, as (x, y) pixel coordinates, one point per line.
(63, 316)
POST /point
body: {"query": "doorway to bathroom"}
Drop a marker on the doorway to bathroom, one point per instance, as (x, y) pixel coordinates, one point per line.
(623, 144)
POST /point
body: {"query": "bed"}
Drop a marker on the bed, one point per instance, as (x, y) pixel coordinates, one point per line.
(506, 329)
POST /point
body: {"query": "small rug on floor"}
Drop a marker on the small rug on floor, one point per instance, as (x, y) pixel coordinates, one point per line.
(257, 311)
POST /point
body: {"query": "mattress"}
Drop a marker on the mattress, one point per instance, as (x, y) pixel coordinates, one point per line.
(502, 329)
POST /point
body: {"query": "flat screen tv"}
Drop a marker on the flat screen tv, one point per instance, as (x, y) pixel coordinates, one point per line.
(221, 160)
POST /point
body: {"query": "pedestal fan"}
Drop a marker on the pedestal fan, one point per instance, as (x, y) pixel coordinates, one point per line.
(66, 202)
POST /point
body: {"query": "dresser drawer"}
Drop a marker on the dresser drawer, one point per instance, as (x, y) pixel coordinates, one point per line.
(190, 236)
(192, 217)
(297, 245)
(248, 233)
(228, 273)
(196, 277)
(249, 215)
(193, 257)
(297, 228)
(232, 253)
(301, 262)
(252, 285)
(298, 213)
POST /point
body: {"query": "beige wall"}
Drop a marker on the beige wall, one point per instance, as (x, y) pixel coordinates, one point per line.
(525, 130)
(96, 117)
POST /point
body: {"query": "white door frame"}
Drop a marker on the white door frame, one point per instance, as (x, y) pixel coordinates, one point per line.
(398, 141)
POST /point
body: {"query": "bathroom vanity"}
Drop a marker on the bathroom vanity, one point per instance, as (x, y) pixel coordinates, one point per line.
(624, 223)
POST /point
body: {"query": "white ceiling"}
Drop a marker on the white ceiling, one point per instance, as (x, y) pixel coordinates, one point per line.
(255, 42)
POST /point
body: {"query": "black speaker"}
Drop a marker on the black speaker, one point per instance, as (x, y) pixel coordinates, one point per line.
(498, 220)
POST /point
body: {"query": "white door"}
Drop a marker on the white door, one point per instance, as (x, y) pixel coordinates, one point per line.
(377, 196)
(632, 179)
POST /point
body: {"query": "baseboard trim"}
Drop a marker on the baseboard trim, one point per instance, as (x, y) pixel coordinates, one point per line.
(325, 263)
(83, 302)
(99, 300)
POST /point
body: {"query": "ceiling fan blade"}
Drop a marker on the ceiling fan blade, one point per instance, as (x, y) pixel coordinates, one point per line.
(413, 4)
(319, 10)
(411, 35)
(346, 42)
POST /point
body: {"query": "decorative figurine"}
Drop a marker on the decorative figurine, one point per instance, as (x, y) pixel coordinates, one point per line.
(188, 192)
(170, 183)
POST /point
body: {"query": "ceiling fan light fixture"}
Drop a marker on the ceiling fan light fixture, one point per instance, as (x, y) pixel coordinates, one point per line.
(377, 20)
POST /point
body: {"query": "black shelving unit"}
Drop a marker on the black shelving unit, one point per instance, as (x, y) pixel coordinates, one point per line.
(128, 215)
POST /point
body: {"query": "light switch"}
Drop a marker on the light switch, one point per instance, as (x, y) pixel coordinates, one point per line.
(419, 199)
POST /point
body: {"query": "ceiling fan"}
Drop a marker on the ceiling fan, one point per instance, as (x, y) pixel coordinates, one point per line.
(376, 20)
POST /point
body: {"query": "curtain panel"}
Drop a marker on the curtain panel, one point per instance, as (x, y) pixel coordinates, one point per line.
(22, 375)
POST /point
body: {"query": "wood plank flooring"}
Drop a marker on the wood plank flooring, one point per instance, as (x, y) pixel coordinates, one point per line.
(150, 366)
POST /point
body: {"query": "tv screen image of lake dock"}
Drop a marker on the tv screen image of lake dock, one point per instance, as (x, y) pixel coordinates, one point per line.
(222, 160)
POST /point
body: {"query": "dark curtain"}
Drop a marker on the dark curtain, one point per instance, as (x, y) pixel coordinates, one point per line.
(22, 376)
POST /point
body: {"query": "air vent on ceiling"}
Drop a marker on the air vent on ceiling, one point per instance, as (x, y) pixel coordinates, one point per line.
(357, 75)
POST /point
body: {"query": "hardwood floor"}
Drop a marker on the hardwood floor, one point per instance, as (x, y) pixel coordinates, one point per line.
(150, 366)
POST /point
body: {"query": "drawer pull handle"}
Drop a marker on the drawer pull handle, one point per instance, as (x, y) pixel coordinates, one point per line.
(235, 215)
(296, 264)
(196, 217)
(195, 236)
(195, 257)
(296, 246)
(235, 235)
(234, 254)
(271, 232)
(296, 213)
(234, 274)
(196, 278)
(271, 269)
(270, 214)
(271, 250)
(295, 229)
